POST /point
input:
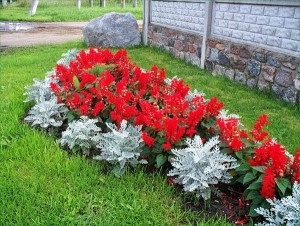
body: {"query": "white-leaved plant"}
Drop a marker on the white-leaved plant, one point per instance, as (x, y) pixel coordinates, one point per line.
(121, 146)
(68, 57)
(47, 114)
(81, 135)
(40, 90)
(285, 211)
(199, 166)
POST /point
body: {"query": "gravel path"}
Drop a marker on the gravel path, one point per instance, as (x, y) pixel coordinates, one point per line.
(29, 34)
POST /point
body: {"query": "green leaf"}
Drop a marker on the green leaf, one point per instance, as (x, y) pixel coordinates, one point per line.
(248, 177)
(252, 212)
(265, 204)
(257, 200)
(260, 169)
(283, 184)
(242, 167)
(160, 160)
(70, 116)
(260, 178)
(239, 154)
(254, 186)
(76, 82)
(252, 195)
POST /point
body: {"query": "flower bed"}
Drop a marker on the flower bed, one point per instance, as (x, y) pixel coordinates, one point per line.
(99, 102)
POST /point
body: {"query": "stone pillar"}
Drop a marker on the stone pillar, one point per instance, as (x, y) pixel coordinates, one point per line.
(102, 3)
(33, 7)
(206, 32)
(4, 3)
(134, 3)
(78, 4)
(146, 21)
(123, 4)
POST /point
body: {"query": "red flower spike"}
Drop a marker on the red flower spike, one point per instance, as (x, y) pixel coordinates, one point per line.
(296, 167)
(268, 184)
(147, 139)
(214, 106)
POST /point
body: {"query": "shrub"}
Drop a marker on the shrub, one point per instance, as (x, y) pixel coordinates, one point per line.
(200, 166)
(47, 114)
(121, 146)
(285, 211)
(81, 135)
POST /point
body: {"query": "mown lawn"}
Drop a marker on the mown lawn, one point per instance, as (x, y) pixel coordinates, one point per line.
(66, 10)
(40, 184)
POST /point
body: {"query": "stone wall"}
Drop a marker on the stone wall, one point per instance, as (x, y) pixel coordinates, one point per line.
(255, 67)
(254, 44)
(180, 15)
(181, 44)
(271, 26)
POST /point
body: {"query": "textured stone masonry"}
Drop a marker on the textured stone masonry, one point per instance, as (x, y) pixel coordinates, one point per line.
(181, 15)
(255, 45)
(273, 26)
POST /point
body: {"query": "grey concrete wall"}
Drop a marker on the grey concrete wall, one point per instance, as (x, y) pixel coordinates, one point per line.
(180, 15)
(271, 26)
(256, 43)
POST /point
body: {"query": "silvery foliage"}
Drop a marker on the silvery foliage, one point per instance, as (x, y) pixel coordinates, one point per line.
(200, 165)
(40, 90)
(82, 134)
(68, 57)
(168, 81)
(121, 146)
(285, 211)
(47, 113)
(191, 95)
(224, 115)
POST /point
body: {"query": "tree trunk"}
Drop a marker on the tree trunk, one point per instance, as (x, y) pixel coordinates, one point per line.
(102, 3)
(10, 1)
(134, 3)
(91, 2)
(123, 3)
(33, 7)
(78, 4)
(4, 3)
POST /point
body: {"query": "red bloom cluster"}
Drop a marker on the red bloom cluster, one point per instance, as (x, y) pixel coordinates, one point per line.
(296, 167)
(99, 83)
(231, 134)
(272, 155)
(258, 132)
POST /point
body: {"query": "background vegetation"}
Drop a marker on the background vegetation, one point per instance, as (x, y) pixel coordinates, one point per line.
(66, 10)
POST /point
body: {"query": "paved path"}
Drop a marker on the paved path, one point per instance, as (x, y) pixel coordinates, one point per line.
(29, 34)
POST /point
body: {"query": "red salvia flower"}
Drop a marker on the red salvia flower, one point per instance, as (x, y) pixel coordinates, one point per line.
(296, 167)
(214, 106)
(268, 184)
(257, 132)
(272, 155)
(147, 139)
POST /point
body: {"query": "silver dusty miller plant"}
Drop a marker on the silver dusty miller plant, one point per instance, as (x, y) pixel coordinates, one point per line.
(47, 114)
(285, 211)
(199, 166)
(121, 146)
(81, 135)
(40, 90)
(68, 57)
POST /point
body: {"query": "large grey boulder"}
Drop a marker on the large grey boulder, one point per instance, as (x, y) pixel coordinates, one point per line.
(112, 30)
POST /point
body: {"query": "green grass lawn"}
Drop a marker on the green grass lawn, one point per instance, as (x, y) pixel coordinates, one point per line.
(40, 184)
(65, 10)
